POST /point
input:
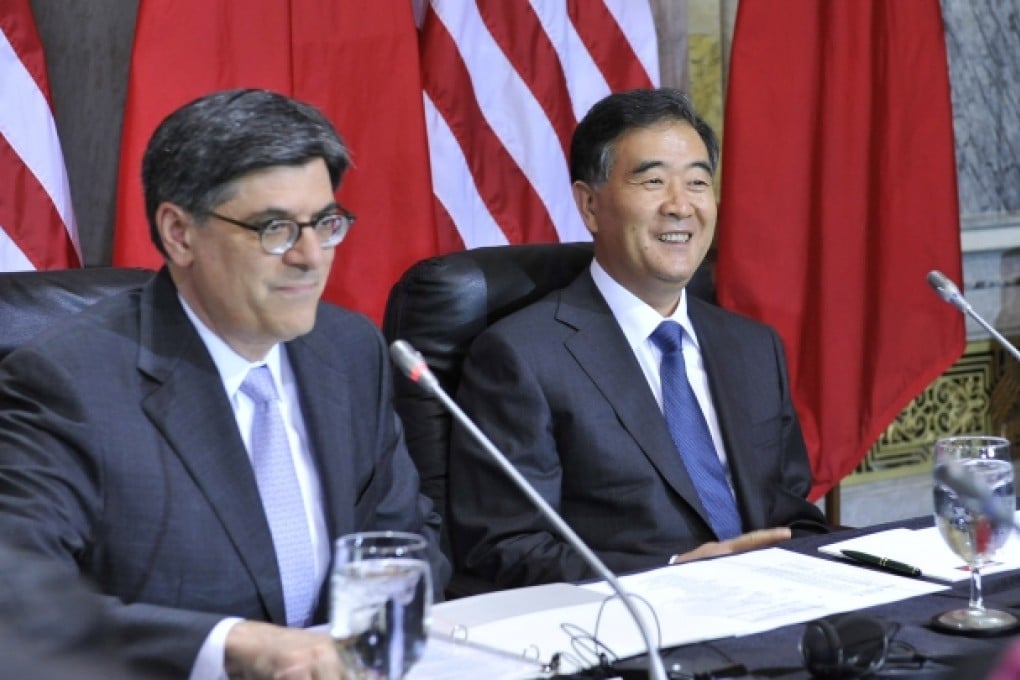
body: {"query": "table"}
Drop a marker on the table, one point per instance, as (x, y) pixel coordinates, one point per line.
(775, 654)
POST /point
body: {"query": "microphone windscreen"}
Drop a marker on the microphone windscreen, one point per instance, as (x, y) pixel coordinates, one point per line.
(946, 289)
(405, 357)
(412, 364)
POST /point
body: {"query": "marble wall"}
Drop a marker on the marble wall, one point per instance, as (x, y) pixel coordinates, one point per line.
(983, 42)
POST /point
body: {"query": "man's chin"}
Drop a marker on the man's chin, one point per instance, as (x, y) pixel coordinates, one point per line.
(295, 327)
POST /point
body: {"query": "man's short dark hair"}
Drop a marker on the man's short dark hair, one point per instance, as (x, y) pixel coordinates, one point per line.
(591, 149)
(198, 151)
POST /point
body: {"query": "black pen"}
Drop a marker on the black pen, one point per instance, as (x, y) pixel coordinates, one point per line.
(883, 563)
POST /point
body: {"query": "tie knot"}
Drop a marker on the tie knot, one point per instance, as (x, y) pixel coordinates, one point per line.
(258, 385)
(668, 337)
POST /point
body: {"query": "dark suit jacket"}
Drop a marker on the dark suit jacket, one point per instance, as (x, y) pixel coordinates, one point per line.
(559, 391)
(120, 457)
(52, 626)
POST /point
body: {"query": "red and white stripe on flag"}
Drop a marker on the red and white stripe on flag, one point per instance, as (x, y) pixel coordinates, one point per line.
(37, 227)
(505, 83)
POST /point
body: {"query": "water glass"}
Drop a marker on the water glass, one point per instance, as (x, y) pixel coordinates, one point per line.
(380, 595)
(969, 526)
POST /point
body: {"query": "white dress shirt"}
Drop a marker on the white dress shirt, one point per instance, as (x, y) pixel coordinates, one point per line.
(233, 369)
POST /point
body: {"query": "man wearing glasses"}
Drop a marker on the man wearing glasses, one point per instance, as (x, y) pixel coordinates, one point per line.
(193, 447)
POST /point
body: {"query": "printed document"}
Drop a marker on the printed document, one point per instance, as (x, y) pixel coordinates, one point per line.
(710, 599)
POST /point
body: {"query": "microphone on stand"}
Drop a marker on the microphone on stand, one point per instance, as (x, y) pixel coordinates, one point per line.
(954, 475)
(948, 291)
(411, 364)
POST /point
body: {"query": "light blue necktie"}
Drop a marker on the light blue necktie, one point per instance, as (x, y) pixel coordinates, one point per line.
(281, 498)
(690, 434)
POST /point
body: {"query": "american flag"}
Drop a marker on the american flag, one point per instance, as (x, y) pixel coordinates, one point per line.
(37, 227)
(505, 83)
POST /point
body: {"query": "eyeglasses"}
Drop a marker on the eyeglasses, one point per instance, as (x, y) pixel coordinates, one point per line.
(279, 235)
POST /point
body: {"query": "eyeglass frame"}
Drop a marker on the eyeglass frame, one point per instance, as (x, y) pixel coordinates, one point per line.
(261, 229)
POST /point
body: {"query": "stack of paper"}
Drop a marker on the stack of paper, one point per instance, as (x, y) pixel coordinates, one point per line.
(734, 595)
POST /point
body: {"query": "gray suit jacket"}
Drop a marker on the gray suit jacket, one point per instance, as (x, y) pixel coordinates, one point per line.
(559, 391)
(120, 458)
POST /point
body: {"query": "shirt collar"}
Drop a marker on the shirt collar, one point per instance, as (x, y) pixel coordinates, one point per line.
(232, 367)
(637, 318)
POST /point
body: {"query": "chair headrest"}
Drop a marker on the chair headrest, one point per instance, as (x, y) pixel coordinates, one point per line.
(441, 304)
(31, 301)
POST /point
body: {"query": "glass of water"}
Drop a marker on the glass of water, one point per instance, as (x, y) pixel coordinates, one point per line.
(966, 524)
(380, 595)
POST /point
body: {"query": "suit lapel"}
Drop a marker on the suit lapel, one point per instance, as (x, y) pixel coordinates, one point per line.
(602, 351)
(326, 404)
(325, 396)
(725, 365)
(191, 410)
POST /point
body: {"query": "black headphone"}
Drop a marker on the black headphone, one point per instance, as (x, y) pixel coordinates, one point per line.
(844, 646)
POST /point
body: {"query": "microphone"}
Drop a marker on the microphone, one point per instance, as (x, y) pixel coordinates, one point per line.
(975, 494)
(948, 291)
(954, 475)
(412, 364)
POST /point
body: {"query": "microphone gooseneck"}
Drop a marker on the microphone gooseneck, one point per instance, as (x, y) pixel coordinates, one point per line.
(954, 475)
(411, 364)
(948, 291)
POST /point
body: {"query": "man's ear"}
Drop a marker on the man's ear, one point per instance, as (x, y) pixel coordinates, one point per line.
(176, 228)
(587, 204)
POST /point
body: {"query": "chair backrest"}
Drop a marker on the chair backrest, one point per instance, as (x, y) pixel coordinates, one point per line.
(441, 304)
(31, 301)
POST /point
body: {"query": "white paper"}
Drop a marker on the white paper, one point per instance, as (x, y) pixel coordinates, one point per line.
(766, 589)
(711, 599)
(926, 550)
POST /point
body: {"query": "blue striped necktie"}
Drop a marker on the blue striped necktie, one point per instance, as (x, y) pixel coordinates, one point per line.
(690, 434)
(281, 498)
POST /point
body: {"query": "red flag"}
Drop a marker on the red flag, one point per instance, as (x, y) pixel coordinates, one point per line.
(838, 196)
(505, 83)
(357, 61)
(37, 227)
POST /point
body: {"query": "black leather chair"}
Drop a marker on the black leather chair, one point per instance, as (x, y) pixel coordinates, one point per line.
(31, 301)
(441, 304)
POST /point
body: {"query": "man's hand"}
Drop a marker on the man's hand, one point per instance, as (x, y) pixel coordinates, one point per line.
(749, 541)
(257, 651)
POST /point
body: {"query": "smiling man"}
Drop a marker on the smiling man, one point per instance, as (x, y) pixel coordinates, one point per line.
(659, 425)
(195, 446)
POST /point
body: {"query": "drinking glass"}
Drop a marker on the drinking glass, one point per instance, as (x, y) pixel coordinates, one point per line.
(966, 526)
(380, 596)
